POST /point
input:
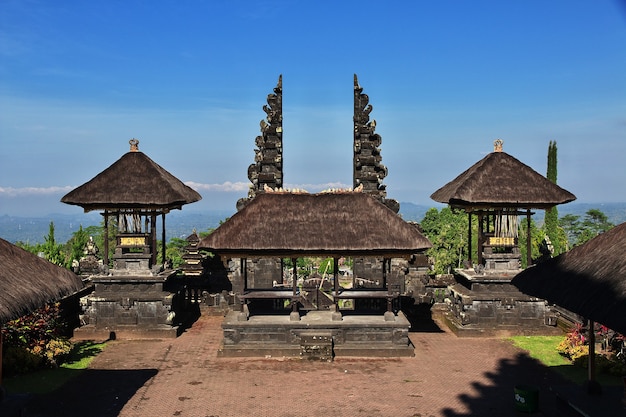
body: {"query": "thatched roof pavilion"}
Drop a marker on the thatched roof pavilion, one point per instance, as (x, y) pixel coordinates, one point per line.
(500, 180)
(133, 181)
(133, 186)
(589, 280)
(294, 225)
(328, 224)
(500, 185)
(28, 282)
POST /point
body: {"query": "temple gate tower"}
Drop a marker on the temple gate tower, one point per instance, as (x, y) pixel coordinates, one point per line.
(368, 171)
(267, 169)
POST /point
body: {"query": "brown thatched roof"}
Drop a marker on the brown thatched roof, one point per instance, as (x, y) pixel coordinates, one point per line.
(500, 180)
(327, 224)
(28, 282)
(589, 280)
(133, 181)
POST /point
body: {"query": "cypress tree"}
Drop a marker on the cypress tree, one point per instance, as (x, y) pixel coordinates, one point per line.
(551, 219)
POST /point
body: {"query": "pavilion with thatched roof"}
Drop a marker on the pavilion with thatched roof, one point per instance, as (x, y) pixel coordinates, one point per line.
(498, 189)
(131, 193)
(28, 282)
(136, 190)
(331, 225)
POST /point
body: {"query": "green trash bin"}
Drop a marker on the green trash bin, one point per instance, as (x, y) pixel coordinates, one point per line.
(526, 398)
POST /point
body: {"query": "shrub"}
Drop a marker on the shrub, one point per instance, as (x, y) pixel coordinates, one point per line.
(575, 347)
(33, 341)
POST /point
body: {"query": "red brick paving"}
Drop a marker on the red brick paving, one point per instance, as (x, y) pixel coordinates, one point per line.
(449, 376)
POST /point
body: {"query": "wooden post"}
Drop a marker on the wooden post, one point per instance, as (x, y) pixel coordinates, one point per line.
(295, 314)
(591, 366)
(480, 238)
(294, 284)
(469, 238)
(106, 239)
(163, 246)
(243, 265)
(593, 386)
(529, 257)
(1, 392)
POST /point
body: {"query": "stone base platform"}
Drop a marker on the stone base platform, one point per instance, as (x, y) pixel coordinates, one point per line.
(316, 336)
(128, 332)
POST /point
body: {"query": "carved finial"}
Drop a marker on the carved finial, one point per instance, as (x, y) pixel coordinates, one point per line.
(497, 145)
(134, 145)
(356, 83)
(280, 81)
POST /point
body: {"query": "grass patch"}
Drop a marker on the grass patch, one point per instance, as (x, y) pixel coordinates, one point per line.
(543, 349)
(47, 380)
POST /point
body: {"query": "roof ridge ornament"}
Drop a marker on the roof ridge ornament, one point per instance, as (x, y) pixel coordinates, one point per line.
(497, 145)
(134, 145)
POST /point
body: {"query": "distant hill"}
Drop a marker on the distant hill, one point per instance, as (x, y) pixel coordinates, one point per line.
(182, 223)
(616, 212)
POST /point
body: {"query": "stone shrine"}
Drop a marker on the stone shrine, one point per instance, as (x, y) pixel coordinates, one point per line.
(130, 299)
(498, 190)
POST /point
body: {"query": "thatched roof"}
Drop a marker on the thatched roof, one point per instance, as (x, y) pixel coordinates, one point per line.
(498, 181)
(327, 224)
(28, 282)
(133, 181)
(589, 280)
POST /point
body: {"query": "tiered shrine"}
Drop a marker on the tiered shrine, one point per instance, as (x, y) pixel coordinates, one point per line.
(498, 190)
(129, 298)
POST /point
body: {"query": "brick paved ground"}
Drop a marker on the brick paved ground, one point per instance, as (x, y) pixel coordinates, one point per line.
(449, 376)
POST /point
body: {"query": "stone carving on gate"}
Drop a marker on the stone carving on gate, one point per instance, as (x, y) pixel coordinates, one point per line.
(368, 170)
(267, 169)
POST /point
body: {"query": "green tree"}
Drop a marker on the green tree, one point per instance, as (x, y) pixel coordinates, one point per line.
(75, 246)
(53, 251)
(594, 223)
(580, 231)
(536, 240)
(447, 231)
(174, 251)
(570, 223)
(555, 233)
(327, 266)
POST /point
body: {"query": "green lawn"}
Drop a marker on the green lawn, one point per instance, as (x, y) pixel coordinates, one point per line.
(47, 380)
(543, 348)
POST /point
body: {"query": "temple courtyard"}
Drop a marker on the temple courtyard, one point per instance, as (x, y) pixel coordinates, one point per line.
(448, 376)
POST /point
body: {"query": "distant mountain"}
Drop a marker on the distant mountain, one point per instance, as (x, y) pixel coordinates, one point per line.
(415, 212)
(182, 223)
(34, 229)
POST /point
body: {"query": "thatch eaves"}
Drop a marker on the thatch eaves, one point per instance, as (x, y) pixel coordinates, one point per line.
(589, 280)
(500, 180)
(28, 282)
(133, 181)
(326, 224)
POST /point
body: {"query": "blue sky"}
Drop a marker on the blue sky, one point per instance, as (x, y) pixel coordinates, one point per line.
(189, 79)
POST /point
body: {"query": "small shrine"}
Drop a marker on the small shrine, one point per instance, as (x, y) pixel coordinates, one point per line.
(129, 297)
(498, 190)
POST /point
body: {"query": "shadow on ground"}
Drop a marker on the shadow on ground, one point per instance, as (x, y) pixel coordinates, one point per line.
(421, 317)
(556, 396)
(95, 393)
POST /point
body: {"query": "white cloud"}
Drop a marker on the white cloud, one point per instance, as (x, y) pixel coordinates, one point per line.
(33, 191)
(224, 187)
